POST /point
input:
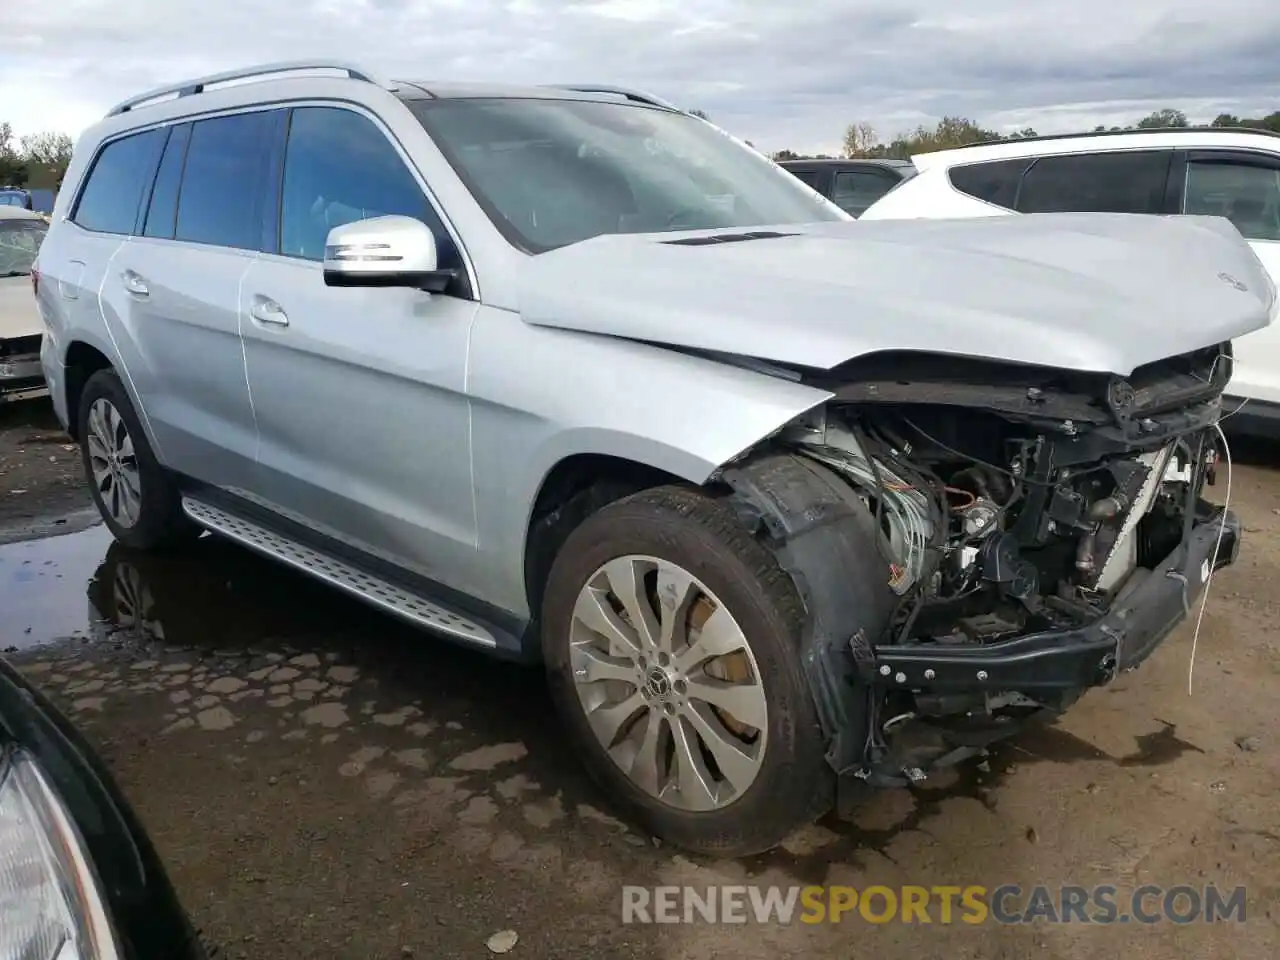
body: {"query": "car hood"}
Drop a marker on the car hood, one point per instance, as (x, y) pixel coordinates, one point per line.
(1095, 292)
(19, 314)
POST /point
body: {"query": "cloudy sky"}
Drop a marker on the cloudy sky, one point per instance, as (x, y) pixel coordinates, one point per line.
(782, 74)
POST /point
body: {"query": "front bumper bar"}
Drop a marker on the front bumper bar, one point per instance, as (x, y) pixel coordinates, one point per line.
(1075, 658)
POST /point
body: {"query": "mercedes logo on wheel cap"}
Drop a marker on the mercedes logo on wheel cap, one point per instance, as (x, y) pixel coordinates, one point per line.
(659, 686)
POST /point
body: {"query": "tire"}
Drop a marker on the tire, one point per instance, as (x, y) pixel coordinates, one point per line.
(137, 497)
(792, 784)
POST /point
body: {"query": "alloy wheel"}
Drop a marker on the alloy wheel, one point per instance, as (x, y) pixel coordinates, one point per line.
(669, 683)
(113, 463)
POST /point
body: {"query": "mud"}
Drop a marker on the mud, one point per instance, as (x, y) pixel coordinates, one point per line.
(324, 782)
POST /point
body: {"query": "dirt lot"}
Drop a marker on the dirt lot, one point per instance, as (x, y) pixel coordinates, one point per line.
(325, 783)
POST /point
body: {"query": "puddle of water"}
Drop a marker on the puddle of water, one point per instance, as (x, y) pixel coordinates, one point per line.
(42, 587)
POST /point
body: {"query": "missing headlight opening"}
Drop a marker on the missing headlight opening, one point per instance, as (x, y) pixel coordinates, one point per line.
(1017, 510)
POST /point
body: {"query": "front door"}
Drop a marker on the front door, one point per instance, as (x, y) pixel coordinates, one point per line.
(360, 394)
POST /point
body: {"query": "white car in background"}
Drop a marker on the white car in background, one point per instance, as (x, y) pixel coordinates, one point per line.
(21, 327)
(1232, 173)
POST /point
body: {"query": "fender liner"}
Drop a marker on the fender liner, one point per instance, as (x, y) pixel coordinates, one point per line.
(826, 540)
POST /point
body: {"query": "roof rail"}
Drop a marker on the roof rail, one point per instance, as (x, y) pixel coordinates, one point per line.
(1127, 132)
(639, 96)
(188, 88)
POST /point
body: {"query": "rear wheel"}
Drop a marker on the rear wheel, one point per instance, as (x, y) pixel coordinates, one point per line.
(672, 641)
(137, 497)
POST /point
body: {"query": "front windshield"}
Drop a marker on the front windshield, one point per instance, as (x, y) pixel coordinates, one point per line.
(554, 172)
(19, 244)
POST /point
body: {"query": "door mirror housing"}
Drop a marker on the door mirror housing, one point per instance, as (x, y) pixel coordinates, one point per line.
(391, 251)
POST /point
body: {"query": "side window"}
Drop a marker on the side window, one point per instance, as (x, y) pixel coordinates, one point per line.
(994, 182)
(339, 167)
(163, 209)
(1128, 182)
(1247, 194)
(855, 190)
(220, 200)
(809, 177)
(112, 196)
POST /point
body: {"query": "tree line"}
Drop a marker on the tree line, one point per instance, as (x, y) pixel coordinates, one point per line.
(41, 159)
(861, 140)
(34, 161)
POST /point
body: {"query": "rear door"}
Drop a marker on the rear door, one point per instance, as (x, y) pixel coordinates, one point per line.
(175, 289)
(1244, 187)
(1117, 181)
(77, 255)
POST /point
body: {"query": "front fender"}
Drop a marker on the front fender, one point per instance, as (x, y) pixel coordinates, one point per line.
(540, 396)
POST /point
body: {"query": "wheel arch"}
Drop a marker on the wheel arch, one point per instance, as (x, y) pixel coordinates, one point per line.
(82, 360)
(579, 483)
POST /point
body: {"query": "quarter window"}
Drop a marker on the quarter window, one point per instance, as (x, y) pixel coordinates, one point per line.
(1119, 182)
(1246, 194)
(112, 195)
(993, 182)
(222, 183)
(338, 168)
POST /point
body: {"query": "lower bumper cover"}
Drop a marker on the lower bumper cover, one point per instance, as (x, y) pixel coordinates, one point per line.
(21, 368)
(21, 377)
(1059, 660)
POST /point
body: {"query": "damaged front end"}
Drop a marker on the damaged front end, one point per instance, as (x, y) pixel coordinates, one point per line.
(1028, 533)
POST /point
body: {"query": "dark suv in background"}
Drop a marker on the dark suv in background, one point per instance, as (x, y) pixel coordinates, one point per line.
(852, 185)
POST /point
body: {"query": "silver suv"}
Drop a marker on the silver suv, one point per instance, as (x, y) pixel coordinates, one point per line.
(787, 504)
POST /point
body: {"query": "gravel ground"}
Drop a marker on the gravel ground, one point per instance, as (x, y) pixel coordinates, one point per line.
(323, 782)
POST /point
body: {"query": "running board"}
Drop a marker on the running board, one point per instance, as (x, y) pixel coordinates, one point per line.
(359, 583)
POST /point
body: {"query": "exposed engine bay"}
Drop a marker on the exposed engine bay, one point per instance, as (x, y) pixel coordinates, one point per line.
(1015, 504)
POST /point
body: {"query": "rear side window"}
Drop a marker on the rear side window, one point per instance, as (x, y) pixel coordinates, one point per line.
(220, 200)
(112, 196)
(805, 176)
(163, 209)
(855, 190)
(1129, 182)
(994, 182)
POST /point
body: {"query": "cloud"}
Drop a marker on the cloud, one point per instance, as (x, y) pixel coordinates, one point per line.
(782, 75)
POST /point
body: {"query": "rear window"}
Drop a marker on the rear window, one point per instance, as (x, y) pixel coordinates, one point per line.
(112, 194)
(19, 243)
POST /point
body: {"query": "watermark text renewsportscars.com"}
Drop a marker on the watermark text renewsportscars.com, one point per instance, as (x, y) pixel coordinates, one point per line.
(971, 904)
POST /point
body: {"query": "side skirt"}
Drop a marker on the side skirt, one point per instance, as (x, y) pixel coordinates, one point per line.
(419, 601)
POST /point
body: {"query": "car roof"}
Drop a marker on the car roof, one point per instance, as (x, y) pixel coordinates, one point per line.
(845, 161)
(273, 74)
(1100, 140)
(18, 213)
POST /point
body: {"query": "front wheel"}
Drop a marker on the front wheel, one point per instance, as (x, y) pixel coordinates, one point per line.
(137, 497)
(672, 639)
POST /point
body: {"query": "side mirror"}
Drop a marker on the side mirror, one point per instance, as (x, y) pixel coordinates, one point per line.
(390, 251)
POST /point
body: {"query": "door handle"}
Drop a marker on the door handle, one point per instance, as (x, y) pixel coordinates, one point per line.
(266, 310)
(135, 284)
